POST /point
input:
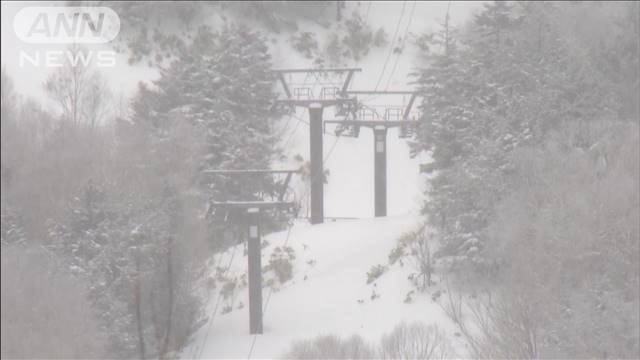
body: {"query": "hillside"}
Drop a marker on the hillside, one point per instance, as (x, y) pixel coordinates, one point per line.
(328, 293)
(498, 143)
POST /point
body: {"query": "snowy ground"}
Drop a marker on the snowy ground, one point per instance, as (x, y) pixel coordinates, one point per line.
(329, 293)
(331, 259)
(330, 267)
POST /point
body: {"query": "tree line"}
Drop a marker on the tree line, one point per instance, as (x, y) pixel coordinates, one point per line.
(104, 205)
(531, 119)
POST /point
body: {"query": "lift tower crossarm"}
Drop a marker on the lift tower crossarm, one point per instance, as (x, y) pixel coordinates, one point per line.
(379, 128)
(254, 245)
(310, 102)
(281, 72)
(315, 106)
(250, 171)
(407, 110)
(373, 123)
(378, 92)
(252, 204)
(317, 70)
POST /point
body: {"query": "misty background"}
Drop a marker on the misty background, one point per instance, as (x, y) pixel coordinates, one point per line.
(514, 206)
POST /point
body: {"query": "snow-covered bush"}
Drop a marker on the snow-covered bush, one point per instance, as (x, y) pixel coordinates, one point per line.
(359, 38)
(375, 272)
(45, 310)
(353, 41)
(402, 245)
(415, 341)
(281, 263)
(331, 347)
(406, 341)
(228, 289)
(496, 326)
(305, 43)
(396, 253)
(380, 38)
(334, 51)
(416, 246)
(422, 260)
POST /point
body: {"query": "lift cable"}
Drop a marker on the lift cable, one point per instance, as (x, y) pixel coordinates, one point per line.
(286, 242)
(404, 41)
(215, 309)
(395, 35)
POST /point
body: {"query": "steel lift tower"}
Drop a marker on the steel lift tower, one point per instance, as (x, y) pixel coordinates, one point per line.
(379, 119)
(318, 89)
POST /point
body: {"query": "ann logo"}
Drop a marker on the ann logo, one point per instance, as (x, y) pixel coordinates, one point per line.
(75, 25)
(66, 24)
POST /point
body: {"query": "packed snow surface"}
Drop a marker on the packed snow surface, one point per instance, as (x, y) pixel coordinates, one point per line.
(328, 293)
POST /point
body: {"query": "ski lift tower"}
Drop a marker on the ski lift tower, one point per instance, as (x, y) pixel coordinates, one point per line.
(253, 209)
(316, 89)
(380, 118)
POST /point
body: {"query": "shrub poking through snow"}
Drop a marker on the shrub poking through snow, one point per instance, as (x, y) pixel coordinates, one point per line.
(409, 298)
(421, 257)
(228, 289)
(282, 268)
(375, 272)
(415, 341)
(359, 37)
(423, 262)
(380, 38)
(227, 309)
(305, 43)
(331, 347)
(406, 341)
(281, 263)
(410, 236)
(396, 253)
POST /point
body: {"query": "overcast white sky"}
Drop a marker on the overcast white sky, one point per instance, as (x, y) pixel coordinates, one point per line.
(124, 77)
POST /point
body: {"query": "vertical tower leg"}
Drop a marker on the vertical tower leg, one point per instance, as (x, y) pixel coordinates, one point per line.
(380, 170)
(317, 172)
(255, 271)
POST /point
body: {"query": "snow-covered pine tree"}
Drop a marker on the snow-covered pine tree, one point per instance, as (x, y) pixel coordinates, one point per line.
(538, 80)
(223, 87)
(446, 129)
(210, 109)
(508, 80)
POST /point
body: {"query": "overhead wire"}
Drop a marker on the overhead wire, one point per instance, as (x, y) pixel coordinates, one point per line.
(404, 41)
(324, 160)
(285, 243)
(366, 18)
(395, 35)
(215, 309)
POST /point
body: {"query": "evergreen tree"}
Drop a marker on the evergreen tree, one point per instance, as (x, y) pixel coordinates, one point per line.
(223, 88)
(508, 81)
(522, 116)
(135, 233)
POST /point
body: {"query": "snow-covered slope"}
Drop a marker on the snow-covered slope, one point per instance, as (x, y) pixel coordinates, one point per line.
(328, 293)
